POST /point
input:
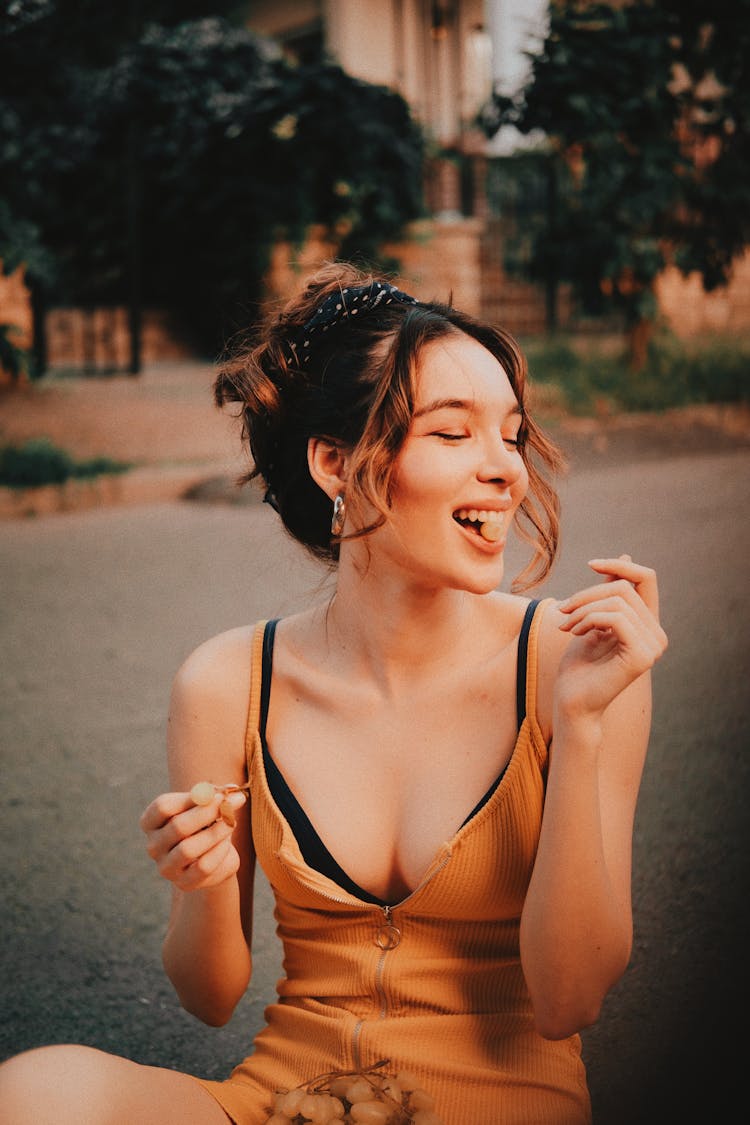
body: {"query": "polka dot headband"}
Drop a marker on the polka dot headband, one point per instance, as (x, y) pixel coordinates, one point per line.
(350, 302)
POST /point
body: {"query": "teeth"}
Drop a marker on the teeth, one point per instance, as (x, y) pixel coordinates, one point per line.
(478, 515)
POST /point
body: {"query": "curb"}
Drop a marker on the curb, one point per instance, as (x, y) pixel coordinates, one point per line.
(136, 486)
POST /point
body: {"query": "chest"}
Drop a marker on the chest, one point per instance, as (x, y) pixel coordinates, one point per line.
(385, 785)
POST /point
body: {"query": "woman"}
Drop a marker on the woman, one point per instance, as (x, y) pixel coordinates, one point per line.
(438, 778)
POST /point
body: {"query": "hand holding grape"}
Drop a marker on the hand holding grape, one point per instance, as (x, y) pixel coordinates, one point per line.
(190, 835)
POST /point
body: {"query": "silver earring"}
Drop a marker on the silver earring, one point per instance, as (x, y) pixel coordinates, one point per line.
(339, 515)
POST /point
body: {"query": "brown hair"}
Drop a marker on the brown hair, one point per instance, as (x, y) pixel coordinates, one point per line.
(357, 389)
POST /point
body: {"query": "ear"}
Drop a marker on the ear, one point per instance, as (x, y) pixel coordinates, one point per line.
(328, 463)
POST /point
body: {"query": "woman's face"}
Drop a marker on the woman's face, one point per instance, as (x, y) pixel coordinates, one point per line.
(459, 476)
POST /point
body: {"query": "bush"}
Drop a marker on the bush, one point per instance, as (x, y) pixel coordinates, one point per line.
(39, 462)
(676, 374)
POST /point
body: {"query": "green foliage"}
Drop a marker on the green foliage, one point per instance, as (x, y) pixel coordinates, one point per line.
(645, 108)
(39, 462)
(676, 374)
(160, 160)
(13, 359)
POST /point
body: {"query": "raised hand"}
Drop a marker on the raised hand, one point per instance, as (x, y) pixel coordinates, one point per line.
(191, 843)
(616, 636)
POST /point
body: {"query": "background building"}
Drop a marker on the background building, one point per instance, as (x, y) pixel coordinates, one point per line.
(443, 56)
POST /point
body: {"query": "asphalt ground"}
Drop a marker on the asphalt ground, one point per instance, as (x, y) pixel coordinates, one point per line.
(98, 609)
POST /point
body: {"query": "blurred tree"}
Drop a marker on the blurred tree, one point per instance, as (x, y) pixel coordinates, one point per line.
(156, 162)
(53, 59)
(237, 148)
(645, 108)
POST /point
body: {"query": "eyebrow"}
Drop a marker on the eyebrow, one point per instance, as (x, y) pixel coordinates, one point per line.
(456, 404)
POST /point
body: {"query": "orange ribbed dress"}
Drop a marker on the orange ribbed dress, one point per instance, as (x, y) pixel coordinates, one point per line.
(433, 983)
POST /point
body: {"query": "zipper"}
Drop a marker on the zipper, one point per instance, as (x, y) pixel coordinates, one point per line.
(387, 937)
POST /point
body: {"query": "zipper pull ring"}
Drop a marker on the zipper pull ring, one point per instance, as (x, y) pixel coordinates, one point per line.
(388, 935)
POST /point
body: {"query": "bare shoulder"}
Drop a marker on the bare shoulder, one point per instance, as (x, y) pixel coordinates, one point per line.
(218, 666)
(208, 710)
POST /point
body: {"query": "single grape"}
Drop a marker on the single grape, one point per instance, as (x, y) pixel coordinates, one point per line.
(359, 1090)
(290, 1103)
(339, 1085)
(331, 1110)
(420, 1099)
(202, 793)
(370, 1113)
(277, 1119)
(337, 1107)
(316, 1108)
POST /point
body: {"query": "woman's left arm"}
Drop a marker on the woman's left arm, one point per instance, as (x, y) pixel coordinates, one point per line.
(576, 925)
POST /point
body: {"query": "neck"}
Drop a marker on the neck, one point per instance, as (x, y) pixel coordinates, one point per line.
(396, 631)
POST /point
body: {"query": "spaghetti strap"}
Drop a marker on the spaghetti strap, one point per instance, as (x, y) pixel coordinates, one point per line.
(532, 657)
(269, 634)
(521, 661)
(254, 703)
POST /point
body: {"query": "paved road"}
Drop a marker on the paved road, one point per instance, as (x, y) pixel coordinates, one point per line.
(99, 608)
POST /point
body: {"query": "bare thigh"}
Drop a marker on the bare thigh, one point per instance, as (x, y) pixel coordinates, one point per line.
(71, 1085)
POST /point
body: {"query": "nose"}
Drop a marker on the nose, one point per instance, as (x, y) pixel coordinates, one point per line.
(500, 462)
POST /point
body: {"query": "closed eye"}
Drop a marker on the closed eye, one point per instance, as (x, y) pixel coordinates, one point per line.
(450, 437)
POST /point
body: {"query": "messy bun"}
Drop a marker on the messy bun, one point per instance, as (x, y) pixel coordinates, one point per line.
(338, 363)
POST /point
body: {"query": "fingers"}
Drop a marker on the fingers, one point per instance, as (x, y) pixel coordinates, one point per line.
(194, 860)
(163, 808)
(643, 578)
(625, 605)
(167, 806)
(578, 618)
(192, 844)
(627, 576)
(608, 578)
(617, 619)
(209, 869)
(616, 613)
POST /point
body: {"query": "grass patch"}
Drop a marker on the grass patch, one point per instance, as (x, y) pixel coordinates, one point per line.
(596, 380)
(39, 461)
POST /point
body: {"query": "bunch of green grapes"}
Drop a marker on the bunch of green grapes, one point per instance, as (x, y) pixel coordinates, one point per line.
(364, 1097)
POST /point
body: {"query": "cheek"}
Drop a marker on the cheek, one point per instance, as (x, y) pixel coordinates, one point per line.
(521, 486)
(421, 479)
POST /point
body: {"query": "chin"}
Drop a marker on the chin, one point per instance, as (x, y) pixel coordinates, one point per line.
(482, 585)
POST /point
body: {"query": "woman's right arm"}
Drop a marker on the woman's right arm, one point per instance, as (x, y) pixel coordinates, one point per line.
(207, 948)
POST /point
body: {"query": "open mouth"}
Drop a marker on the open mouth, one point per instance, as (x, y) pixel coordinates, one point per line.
(487, 524)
